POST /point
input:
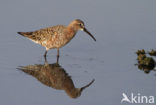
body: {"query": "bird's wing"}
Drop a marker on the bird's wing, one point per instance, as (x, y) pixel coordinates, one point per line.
(43, 34)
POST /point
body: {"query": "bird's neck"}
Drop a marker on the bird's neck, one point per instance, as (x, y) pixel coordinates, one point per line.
(70, 32)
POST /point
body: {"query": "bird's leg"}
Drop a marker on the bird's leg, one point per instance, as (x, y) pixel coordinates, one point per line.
(45, 54)
(45, 59)
(58, 55)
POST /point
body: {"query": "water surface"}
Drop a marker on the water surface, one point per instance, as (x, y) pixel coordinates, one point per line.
(121, 27)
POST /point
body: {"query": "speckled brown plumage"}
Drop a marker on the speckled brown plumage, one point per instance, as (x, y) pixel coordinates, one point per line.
(56, 36)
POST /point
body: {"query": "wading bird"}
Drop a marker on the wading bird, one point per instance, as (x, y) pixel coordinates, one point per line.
(56, 36)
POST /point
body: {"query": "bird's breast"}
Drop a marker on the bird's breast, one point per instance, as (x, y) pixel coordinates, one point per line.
(60, 39)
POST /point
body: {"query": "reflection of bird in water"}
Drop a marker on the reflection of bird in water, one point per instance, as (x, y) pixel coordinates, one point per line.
(53, 75)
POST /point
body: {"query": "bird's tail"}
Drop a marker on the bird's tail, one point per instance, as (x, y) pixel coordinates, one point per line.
(26, 34)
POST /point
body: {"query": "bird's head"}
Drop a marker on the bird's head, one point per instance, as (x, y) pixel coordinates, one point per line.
(78, 24)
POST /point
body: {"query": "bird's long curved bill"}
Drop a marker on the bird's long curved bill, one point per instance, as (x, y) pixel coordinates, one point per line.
(87, 85)
(85, 30)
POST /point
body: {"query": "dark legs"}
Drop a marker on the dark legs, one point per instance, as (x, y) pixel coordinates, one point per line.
(58, 55)
(45, 54)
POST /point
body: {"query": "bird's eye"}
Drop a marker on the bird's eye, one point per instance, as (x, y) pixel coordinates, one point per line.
(81, 25)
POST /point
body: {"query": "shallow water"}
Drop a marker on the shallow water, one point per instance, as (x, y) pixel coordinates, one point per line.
(120, 27)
